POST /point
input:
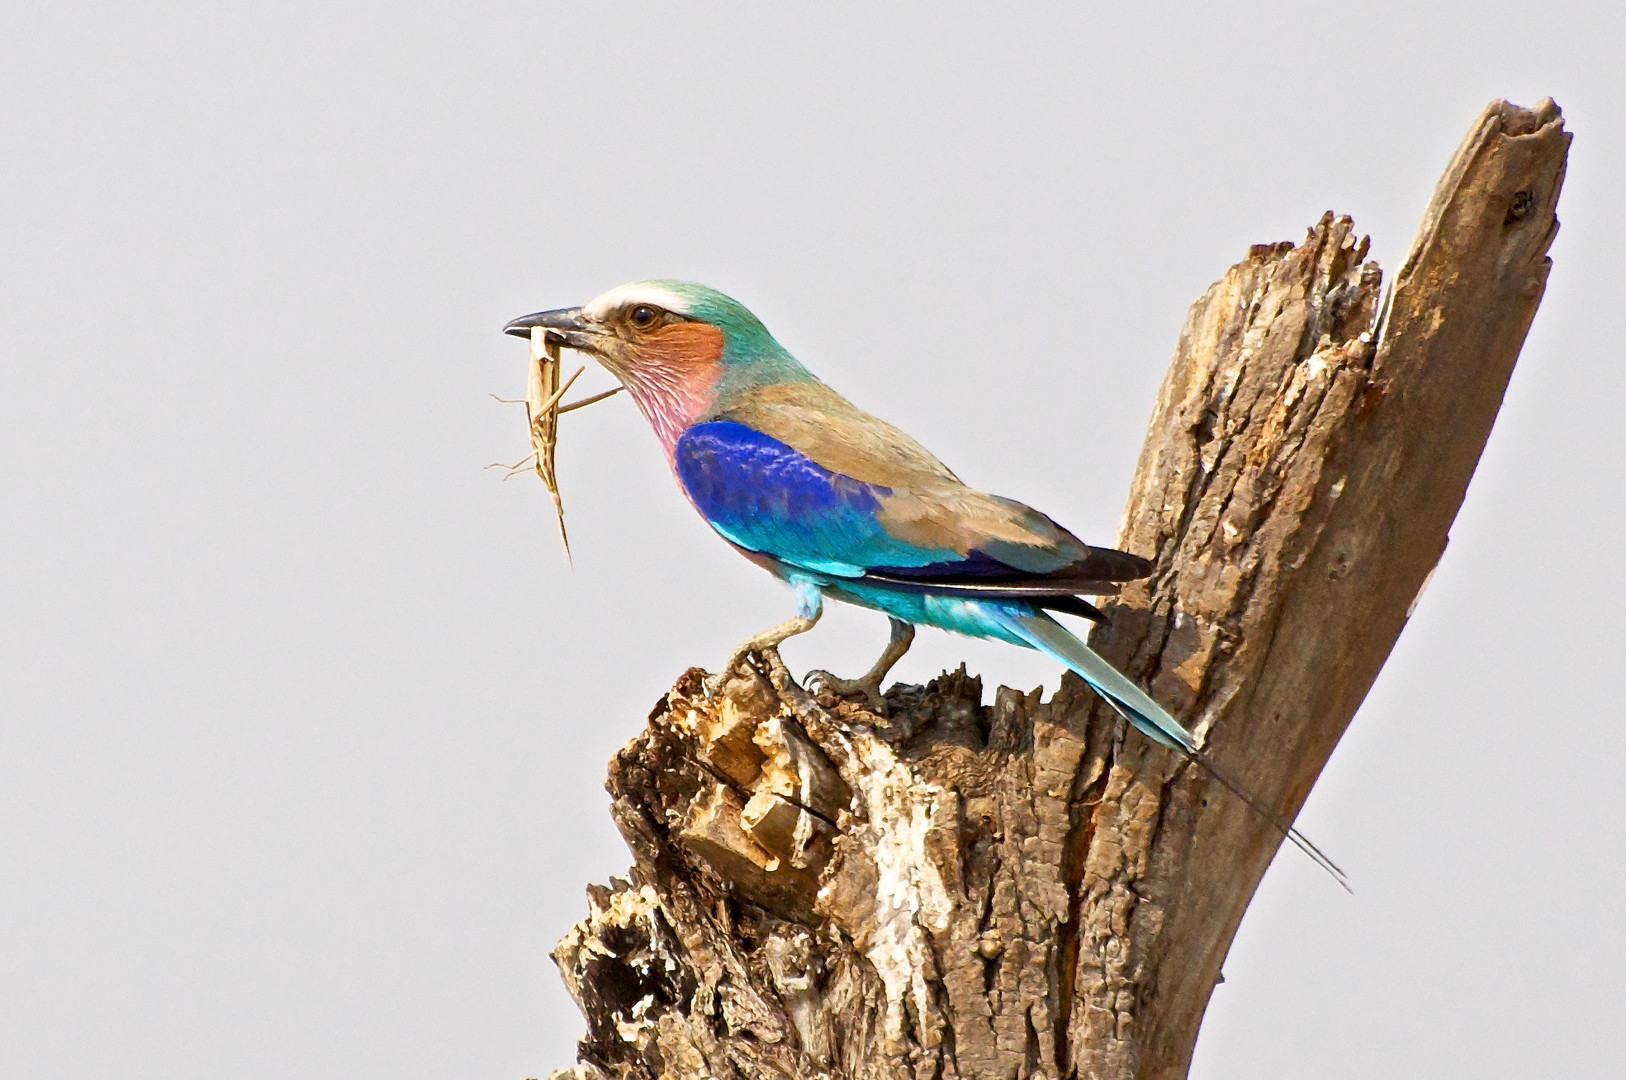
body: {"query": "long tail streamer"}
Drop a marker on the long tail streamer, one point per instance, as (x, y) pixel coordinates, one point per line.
(1055, 640)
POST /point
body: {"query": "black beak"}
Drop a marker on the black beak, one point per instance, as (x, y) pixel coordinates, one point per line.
(568, 323)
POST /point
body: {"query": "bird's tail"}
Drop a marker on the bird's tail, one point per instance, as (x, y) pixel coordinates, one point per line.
(1135, 705)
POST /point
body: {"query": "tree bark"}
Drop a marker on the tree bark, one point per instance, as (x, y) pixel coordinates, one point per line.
(1029, 888)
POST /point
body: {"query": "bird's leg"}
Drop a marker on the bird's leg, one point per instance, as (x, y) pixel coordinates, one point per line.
(903, 636)
(809, 606)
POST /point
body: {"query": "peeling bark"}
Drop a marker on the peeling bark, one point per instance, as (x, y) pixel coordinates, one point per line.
(1026, 888)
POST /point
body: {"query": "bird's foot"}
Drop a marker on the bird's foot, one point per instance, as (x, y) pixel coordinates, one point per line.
(903, 635)
(821, 681)
(741, 662)
(766, 644)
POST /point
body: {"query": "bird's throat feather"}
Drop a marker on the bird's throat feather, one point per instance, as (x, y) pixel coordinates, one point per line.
(673, 377)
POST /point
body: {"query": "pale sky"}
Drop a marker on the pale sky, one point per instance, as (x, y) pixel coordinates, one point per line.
(303, 714)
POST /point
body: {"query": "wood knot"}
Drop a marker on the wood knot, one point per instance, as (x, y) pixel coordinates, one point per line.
(1523, 202)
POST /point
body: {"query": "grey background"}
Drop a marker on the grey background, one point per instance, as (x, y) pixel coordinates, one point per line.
(303, 716)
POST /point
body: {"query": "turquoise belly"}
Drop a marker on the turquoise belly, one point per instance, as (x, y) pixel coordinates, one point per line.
(959, 616)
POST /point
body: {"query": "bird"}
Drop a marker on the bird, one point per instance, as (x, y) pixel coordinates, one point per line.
(842, 505)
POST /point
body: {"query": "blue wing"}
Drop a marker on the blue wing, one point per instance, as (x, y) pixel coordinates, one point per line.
(767, 498)
(772, 500)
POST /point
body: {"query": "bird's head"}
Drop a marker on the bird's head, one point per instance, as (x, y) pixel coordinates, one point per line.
(682, 350)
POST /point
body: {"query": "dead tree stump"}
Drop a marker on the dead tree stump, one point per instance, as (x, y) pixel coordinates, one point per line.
(1028, 888)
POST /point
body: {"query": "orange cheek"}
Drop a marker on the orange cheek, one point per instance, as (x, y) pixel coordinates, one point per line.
(688, 347)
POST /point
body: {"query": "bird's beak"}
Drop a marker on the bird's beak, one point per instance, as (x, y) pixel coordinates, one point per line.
(565, 326)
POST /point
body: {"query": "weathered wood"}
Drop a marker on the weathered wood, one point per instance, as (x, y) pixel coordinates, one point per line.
(1025, 888)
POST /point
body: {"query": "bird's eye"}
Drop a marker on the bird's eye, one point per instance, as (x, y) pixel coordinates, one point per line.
(643, 316)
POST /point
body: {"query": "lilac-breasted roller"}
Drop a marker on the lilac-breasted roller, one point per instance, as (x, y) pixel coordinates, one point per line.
(839, 503)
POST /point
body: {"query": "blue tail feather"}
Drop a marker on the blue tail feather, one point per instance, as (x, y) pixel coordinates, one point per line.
(1055, 640)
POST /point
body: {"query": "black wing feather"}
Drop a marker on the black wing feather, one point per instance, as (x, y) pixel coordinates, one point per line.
(984, 578)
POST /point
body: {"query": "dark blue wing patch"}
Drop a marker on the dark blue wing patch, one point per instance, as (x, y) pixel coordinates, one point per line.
(768, 497)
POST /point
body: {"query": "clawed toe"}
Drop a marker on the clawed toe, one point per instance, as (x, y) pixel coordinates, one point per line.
(821, 681)
(766, 644)
(767, 654)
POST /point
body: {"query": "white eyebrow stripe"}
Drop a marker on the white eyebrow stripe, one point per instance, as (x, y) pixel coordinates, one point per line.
(635, 292)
